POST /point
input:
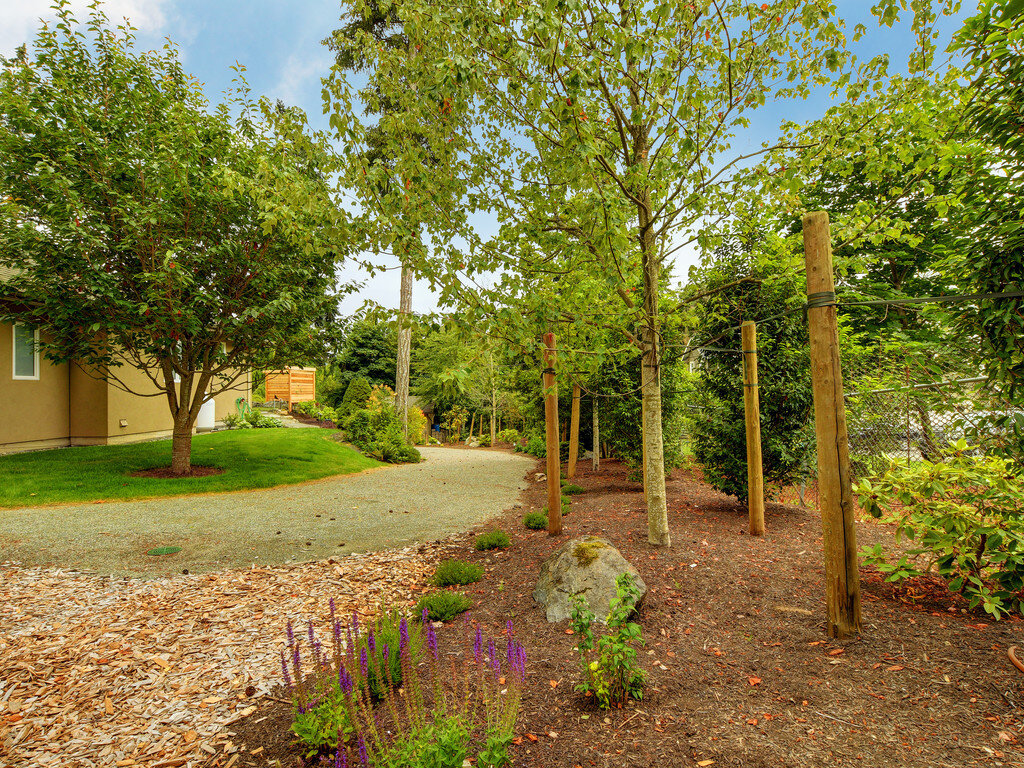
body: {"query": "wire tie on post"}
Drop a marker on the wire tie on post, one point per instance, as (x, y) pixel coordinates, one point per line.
(819, 299)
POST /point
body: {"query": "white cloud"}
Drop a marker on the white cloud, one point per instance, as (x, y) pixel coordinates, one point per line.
(19, 19)
(297, 74)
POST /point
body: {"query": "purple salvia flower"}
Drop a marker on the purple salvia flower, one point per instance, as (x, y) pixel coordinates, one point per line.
(478, 645)
(371, 641)
(284, 671)
(312, 637)
(297, 663)
(344, 680)
(495, 661)
(384, 652)
(509, 629)
(355, 623)
(337, 633)
(330, 604)
(403, 632)
(424, 614)
(432, 638)
(522, 662)
(340, 761)
(363, 663)
(363, 757)
(291, 634)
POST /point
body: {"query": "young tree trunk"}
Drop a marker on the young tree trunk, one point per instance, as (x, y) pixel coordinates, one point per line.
(404, 350)
(654, 458)
(494, 400)
(597, 439)
(574, 432)
(181, 443)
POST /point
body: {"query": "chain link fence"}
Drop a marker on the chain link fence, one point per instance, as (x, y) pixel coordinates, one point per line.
(906, 401)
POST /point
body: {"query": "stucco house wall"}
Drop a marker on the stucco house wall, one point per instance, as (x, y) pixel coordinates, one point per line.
(67, 406)
(33, 412)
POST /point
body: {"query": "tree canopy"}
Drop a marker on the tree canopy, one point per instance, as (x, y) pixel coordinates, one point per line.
(147, 231)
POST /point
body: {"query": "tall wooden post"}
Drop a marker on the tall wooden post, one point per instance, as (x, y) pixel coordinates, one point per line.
(551, 433)
(752, 414)
(597, 437)
(574, 432)
(835, 495)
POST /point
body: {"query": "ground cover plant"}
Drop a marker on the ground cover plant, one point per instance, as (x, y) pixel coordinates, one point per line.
(443, 606)
(535, 521)
(249, 459)
(963, 516)
(456, 573)
(492, 540)
(363, 695)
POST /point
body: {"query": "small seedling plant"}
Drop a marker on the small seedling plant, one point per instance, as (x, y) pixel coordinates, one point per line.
(965, 515)
(610, 670)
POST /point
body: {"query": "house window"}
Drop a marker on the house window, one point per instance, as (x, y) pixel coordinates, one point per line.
(26, 352)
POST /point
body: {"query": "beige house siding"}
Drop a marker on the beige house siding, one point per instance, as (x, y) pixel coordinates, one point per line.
(67, 406)
(33, 413)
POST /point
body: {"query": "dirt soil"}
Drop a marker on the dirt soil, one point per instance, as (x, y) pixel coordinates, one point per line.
(740, 670)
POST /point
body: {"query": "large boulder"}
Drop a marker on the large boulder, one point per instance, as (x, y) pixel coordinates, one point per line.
(587, 566)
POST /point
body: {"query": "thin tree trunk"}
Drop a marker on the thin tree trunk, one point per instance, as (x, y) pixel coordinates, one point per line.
(181, 444)
(494, 399)
(597, 439)
(657, 508)
(404, 350)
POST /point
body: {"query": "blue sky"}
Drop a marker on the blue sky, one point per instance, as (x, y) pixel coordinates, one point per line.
(279, 44)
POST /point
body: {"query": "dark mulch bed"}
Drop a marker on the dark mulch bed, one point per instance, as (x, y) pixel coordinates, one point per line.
(741, 672)
(167, 474)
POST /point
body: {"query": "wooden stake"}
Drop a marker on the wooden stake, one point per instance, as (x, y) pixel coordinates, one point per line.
(551, 433)
(597, 438)
(752, 414)
(574, 432)
(835, 495)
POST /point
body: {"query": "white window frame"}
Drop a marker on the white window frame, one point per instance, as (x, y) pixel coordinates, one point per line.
(14, 353)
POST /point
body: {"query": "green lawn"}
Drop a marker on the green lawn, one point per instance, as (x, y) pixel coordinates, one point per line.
(252, 458)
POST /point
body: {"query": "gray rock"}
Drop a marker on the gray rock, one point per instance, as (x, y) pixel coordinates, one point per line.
(586, 566)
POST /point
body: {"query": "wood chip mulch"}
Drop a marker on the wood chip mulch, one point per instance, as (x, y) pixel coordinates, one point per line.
(99, 671)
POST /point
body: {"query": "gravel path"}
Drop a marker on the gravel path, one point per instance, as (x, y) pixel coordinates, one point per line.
(450, 491)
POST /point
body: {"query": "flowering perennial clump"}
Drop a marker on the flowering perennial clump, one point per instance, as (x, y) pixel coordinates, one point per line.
(427, 708)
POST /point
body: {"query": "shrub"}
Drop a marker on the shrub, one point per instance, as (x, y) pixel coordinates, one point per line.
(535, 521)
(571, 490)
(259, 420)
(356, 395)
(377, 431)
(508, 436)
(492, 540)
(417, 422)
(535, 447)
(443, 606)
(966, 514)
(613, 676)
(485, 441)
(444, 713)
(456, 572)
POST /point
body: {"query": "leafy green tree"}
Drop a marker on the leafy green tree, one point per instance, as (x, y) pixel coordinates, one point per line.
(629, 106)
(381, 23)
(368, 350)
(717, 426)
(147, 232)
(993, 245)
